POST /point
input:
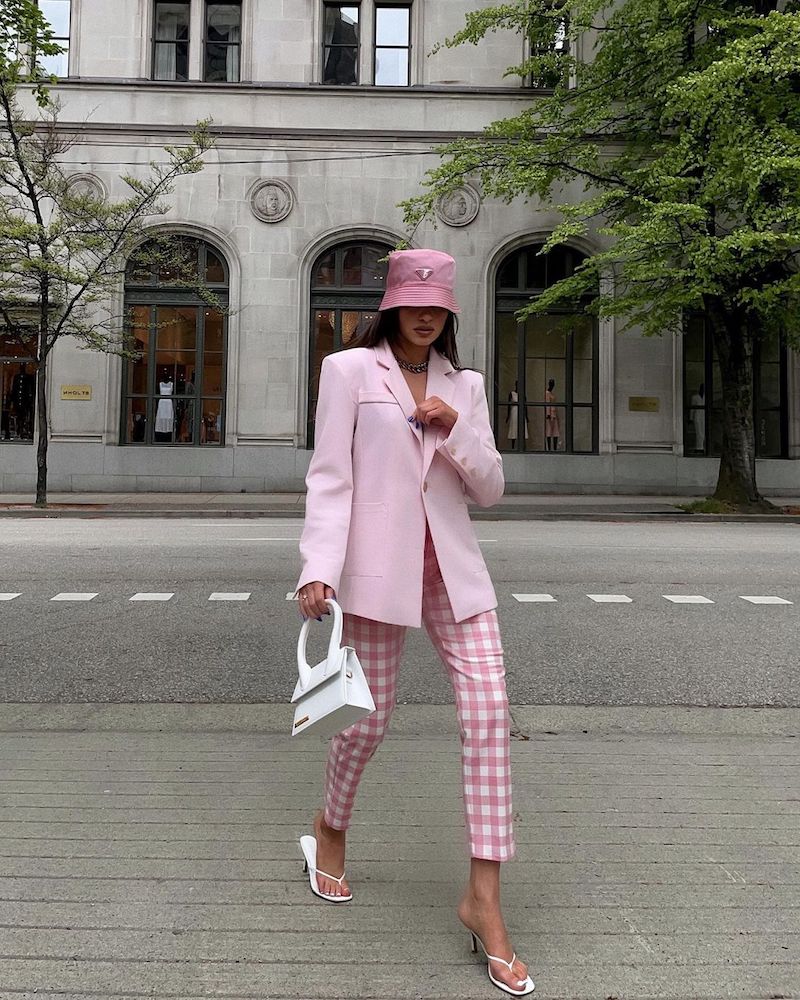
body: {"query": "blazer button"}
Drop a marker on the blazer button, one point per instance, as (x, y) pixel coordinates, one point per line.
(424, 487)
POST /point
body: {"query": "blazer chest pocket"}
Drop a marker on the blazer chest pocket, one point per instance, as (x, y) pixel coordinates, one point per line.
(365, 396)
(364, 542)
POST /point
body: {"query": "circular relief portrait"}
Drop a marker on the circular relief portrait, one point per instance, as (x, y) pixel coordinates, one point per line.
(459, 207)
(86, 186)
(271, 200)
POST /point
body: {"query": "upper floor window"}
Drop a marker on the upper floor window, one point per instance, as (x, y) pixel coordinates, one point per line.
(340, 44)
(57, 14)
(223, 42)
(554, 43)
(392, 45)
(387, 63)
(171, 41)
(176, 36)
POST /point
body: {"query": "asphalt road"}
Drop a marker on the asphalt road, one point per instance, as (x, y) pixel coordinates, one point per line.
(569, 650)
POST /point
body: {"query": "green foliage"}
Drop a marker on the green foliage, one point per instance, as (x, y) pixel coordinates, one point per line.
(679, 125)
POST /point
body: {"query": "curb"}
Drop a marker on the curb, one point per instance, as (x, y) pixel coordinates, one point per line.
(515, 513)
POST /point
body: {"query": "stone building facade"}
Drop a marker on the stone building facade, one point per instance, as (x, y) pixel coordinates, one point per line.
(326, 116)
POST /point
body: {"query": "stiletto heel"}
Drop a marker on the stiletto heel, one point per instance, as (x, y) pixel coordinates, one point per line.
(308, 845)
(526, 986)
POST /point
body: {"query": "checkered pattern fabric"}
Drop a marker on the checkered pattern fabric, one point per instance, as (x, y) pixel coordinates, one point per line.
(473, 656)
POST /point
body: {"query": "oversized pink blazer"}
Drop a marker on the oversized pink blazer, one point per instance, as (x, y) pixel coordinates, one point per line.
(374, 480)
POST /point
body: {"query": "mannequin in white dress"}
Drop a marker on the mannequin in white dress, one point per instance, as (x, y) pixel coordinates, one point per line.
(165, 414)
(698, 418)
(512, 420)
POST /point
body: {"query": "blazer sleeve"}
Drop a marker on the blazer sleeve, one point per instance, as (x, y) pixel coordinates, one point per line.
(470, 449)
(329, 481)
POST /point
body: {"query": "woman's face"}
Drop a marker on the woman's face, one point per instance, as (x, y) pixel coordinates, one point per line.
(419, 326)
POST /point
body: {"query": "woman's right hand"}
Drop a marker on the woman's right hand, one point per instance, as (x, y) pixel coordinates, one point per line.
(311, 598)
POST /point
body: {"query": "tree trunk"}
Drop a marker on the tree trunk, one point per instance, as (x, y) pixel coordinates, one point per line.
(41, 420)
(736, 483)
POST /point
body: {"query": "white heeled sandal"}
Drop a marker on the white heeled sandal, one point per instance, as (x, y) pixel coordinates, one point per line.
(526, 986)
(308, 845)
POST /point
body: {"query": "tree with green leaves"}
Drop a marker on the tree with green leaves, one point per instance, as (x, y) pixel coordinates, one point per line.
(682, 120)
(63, 247)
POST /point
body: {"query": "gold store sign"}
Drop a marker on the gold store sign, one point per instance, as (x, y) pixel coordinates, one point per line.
(643, 404)
(76, 392)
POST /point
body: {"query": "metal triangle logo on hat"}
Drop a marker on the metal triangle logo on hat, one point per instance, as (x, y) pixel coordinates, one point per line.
(424, 272)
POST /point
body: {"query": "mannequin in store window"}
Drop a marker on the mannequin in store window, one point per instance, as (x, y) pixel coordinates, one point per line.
(165, 413)
(552, 428)
(698, 418)
(23, 397)
(512, 420)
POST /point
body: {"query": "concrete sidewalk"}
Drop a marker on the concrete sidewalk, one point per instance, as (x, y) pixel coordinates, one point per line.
(151, 851)
(527, 506)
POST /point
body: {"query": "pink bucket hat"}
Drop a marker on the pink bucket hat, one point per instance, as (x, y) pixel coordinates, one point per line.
(420, 278)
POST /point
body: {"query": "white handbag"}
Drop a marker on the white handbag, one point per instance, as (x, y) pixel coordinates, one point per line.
(334, 694)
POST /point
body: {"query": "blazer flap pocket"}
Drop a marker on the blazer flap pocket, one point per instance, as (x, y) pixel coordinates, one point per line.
(366, 396)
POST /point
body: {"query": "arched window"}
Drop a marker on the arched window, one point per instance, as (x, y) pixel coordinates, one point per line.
(347, 284)
(174, 385)
(546, 366)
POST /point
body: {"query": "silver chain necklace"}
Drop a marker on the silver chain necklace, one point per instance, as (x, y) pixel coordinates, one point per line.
(410, 366)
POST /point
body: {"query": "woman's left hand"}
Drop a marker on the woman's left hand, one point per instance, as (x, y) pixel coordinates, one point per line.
(435, 411)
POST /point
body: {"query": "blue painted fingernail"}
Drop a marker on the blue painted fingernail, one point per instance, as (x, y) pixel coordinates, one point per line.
(410, 419)
(319, 619)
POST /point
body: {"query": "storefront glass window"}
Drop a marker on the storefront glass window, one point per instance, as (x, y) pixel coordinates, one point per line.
(174, 383)
(347, 285)
(17, 386)
(545, 366)
(702, 394)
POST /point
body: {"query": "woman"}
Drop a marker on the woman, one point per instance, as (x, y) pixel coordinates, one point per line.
(402, 439)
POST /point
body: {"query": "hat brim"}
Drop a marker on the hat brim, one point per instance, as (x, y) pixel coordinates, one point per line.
(419, 295)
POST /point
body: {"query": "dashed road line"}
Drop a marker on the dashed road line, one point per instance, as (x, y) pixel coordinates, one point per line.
(9, 597)
(73, 597)
(229, 597)
(766, 600)
(152, 597)
(687, 599)
(534, 598)
(610, 598)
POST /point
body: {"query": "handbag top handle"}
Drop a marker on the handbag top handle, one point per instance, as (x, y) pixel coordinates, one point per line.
(303, 669)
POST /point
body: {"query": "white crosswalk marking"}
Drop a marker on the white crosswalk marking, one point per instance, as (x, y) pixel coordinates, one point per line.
(229, 597)
(534, 598)
(766, 600)
(610, 598)
(152, 597)
(291, 596)
(687, 599)
(9, 597)
(73, 597)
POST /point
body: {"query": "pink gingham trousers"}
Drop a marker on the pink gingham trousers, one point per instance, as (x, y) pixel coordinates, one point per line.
(473, 655)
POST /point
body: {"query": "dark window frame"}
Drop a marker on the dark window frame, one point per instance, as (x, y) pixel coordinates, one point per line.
(155, 295)
(509, 300)
(405, 5)
(713, 413)
(327, 48)
(226, 45)
(337, 298)
(155, 42)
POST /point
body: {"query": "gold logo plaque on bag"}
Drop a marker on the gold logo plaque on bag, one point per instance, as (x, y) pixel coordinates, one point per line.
(300, 722)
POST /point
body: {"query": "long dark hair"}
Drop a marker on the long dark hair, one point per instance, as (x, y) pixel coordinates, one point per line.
(386, 326)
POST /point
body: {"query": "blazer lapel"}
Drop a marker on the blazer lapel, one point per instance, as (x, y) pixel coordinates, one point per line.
(441, 385)
(397, 385)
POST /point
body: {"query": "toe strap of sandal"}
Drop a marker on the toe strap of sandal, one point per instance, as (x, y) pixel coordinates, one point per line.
(333, 878)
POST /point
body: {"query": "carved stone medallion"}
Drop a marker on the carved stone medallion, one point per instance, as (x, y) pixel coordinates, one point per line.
(86, 186)
(459, 207)
(271, 199)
